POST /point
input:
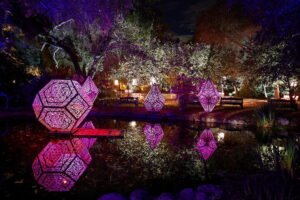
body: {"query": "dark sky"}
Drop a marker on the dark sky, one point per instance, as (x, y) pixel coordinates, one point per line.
(181, 15)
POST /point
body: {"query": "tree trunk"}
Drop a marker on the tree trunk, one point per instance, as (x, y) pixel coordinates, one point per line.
(265, 91)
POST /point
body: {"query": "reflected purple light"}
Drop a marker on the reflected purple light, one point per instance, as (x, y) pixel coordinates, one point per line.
(64, 104)
(60, 164)
(154, 134)
(154, 100)
(208, 96)
(206, 144)
(89, 142)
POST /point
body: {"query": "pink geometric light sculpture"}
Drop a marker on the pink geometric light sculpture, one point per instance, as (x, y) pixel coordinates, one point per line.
(90, 89)
(206, 144)
(154, 100)
(154, 134)
(208, 96)
(60, 164)
(64, 104)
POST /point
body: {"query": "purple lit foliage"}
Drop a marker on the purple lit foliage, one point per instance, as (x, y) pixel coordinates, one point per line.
(208, 96)
(186, 88)
(154, 100)
(154, 134)
(206, 144)
(64, 104)
(60, 164)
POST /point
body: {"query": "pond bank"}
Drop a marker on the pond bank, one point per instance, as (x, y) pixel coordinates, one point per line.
(228, 115)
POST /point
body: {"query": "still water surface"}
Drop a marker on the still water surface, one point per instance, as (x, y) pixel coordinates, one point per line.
(158, 156)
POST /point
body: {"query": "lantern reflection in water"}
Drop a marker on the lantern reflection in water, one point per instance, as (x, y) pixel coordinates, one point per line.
(206, 144)
(154, 134)
(60, 164)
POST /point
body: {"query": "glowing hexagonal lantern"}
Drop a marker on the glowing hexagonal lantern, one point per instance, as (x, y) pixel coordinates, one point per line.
(154, 100)
(89, 142)
(90, 89)
(206, 144)
(60, 164)
(154, 134)
(208, 96)
(63, 104)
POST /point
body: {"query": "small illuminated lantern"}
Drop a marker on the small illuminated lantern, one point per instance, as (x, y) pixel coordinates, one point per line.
(206, 144)
(154, 100)
(154, 134)
(60, 164)
(208, 96)
(64, 104)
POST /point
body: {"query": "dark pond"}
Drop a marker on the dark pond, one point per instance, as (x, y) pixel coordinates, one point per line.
(158, 156)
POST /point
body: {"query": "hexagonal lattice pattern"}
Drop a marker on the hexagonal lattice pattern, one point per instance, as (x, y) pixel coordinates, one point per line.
(154, 134)
(154, 100)
(64, 104)
(59, 165)
(206, 144)
(208, 96)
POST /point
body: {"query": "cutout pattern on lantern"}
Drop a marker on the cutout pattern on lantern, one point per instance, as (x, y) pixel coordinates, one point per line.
(60, 164)
(64, 104)
(206, 144)
(208, 96)
(154, 134)
(154, 100)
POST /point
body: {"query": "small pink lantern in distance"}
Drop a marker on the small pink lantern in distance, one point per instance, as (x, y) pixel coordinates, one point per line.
(60, 164)
(64, 104)
(208, 96)
(154, 100)
(154, 134)
(206, 144)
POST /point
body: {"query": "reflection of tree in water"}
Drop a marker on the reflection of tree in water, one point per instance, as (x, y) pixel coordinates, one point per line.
(163, 162)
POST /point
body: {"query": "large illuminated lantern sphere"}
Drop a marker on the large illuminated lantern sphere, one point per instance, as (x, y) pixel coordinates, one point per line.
(60, 164)
(208, 96)
(206, 144)
(154, 100)
(64, 104)
(154, 134)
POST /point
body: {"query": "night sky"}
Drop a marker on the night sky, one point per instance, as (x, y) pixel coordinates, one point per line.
(180, 15)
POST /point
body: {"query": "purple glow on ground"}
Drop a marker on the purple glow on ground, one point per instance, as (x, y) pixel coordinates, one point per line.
(154, 134)
(154, 100)
(208, 96)
(64, 104)
(206, 144)
(60, 164)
